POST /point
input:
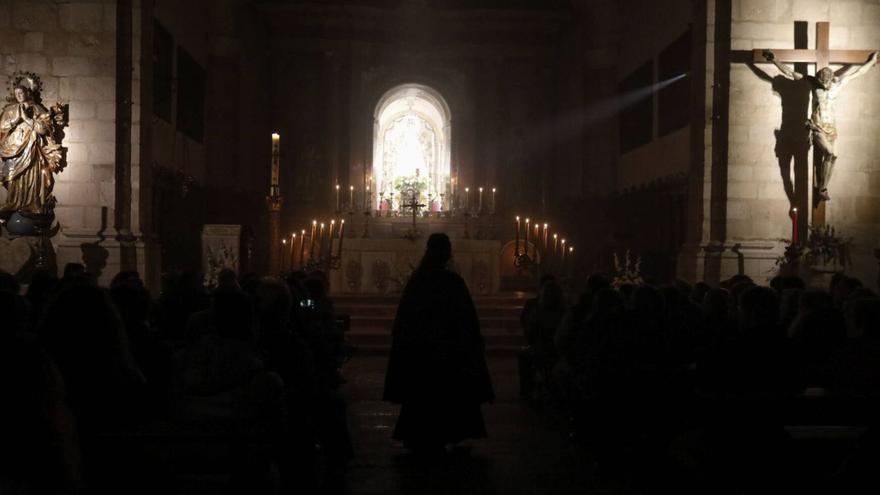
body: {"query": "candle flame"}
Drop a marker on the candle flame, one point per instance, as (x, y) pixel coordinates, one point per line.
(517, 219)
(493, 189)
(554, 236)
(337, 187)
(314, 222)
(351, 187)
(545, 225)
(794, 209)
(332, 222)
(571, 249)
(283, 241)
(275, 136)
(303, 231)
(467, 189)
(342, 221)
(322, 226)
(563, 241)
(481, 189)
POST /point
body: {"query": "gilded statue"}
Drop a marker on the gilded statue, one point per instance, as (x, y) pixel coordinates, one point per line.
(30, 150)
(826, 87)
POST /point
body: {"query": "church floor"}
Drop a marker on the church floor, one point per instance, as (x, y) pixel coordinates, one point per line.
(527, 452)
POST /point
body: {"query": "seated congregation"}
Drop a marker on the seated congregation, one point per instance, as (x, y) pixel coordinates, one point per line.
(737, 389)
(110, 391)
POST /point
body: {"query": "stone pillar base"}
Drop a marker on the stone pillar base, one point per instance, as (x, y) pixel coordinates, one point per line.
(103, 256)
(713, 262)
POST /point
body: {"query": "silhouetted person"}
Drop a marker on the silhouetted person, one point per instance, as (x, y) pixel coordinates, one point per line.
(437, 370)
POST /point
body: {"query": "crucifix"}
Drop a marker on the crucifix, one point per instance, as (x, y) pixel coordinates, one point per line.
(414, 205)
(826, 87)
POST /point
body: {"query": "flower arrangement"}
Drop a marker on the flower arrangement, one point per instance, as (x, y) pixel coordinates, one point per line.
(629, 272)
(417, 183)
(824, 246)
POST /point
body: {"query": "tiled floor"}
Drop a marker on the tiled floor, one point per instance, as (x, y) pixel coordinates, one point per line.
(527, 452)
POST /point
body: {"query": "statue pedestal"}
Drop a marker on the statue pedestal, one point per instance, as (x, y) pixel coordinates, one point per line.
(17, 254)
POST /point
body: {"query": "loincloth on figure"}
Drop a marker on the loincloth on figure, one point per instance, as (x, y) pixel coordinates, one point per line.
(829, 131)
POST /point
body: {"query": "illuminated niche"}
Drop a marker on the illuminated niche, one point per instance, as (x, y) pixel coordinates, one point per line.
(411, 144)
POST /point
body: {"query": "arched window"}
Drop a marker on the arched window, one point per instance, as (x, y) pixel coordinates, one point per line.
(411, 144)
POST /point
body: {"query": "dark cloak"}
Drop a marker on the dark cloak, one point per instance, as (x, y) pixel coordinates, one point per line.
(437, 368)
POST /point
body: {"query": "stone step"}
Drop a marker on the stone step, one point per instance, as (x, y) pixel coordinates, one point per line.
(504, 299)
(377, 311)
(365, 324)
(381, 342)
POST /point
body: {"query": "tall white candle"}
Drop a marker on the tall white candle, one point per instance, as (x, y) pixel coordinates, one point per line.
(274, 188)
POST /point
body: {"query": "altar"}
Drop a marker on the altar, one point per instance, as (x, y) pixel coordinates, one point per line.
(382, 262)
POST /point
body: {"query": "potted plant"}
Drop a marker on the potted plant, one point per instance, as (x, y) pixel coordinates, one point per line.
(824, 253)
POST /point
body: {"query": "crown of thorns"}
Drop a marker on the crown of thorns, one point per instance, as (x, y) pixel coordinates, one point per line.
(24, 79)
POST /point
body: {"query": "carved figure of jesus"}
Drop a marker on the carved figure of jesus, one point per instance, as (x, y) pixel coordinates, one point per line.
(822, 123)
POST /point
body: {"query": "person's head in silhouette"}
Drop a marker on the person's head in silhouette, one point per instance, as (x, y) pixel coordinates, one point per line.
(438, 254)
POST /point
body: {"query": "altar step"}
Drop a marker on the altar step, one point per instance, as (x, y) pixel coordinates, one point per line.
(372, 317)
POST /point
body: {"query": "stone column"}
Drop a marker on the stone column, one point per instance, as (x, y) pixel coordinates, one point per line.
(275, 252)
(124, 69)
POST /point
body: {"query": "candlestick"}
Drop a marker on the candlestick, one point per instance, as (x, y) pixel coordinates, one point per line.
(302, 248)
(527, 237)
(480, 207)
(341, 237)
(516, 251)
(337, 197)
(312, 241)
(274, 187)
(794, 226)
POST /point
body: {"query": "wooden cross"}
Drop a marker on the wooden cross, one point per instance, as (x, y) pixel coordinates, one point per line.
(823, 56)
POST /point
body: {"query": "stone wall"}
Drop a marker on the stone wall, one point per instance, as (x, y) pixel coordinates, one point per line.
(72, 46)
(757, 203)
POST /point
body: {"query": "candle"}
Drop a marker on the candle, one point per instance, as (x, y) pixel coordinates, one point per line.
(480, 208)
(555, 243)
(321, 243)
(302, 248)
(537, 234)
(337, 197)
(283, 246)
(794, 226)
(467, 197)
(563, 250)
(516, 251)
(330, 238)
(493, 200)
(312, 241)
(274, 189)
(292, 250)
(351, 197)
(545, 237)
(341, 237)
(527, 237)
(570, 259)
